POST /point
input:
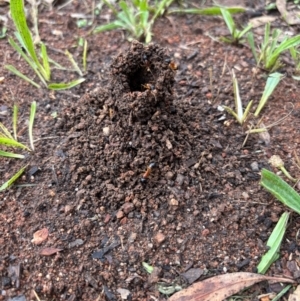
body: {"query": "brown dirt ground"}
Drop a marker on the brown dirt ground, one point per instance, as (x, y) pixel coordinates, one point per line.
(200, 207)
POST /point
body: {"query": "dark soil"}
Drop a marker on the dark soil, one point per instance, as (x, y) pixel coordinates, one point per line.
(140, 165)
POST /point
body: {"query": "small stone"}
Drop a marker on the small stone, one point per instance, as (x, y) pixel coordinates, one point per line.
(245, 195)
(254, 166)
(68, 209)
(127, 207)
(169, 175)
(106, 131)
(132, 237)
(107, 218)
(196, 212)
(123, 221)
(205, 232)
(159, 238)
(173, 202)
(120, 214)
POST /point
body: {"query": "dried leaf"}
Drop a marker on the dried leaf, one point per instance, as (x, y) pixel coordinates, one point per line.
(291, 17)
(49, 251)
(220, 287)
(295, 296)
(40, 236)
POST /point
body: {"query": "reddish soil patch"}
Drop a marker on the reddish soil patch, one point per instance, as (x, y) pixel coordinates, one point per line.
(139, 166)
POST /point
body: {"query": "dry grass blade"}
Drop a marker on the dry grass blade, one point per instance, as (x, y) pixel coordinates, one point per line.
(220, 287)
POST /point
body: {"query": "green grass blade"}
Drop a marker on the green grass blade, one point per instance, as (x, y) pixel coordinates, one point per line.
(244, 31)
(207, 11)
(109, 26)
(12, 179)
(127, 12)
(27, 59)
(75, 65)
(11, 155)
(237, 98)
(63, 86)
(15, 121)
(13, 143)
(282, 293)
(45, 61)
(19, 18)
(31, 121)
(115, 12)
(4, 132)
(228, 20)
(230, 111)
(280, 189)
(251, 43)
(285, 45)
(161, 8)
(272, 82)
(247, 110)
(273, 243)
(21, 75)
(84, 55)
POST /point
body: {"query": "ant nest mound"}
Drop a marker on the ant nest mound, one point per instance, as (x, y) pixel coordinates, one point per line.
(142, 81)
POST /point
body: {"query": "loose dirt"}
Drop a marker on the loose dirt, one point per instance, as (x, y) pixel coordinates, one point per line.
(140, 165)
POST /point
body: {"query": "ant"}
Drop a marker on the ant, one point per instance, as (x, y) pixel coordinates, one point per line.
(148, 87)
(146, 64)
(172, 65)
(147, 173)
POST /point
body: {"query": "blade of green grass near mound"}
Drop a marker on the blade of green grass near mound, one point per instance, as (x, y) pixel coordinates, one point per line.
(272, 82)
(12, 179)
(31, 121)
(11, 155)
(209, 11)
(273, 243)
(19, 18)
(63, 86)
(280, 189)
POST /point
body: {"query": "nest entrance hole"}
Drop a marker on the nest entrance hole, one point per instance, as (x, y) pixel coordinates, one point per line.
(142, 78)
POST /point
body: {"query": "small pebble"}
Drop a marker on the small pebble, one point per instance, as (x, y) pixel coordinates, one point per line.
(159, 238)
(254, 166)
(173, 202)
(120, 214)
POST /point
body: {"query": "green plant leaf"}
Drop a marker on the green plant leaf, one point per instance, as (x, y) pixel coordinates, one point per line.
(29, 61)
(5, 132)
(207, 11)
(284, 45)
(15, 121)
(13, 143)
(63, 86)
(21, 75)
(251, 43)
(272, 82)
(45, 62)
(109, 26)
(84, 55)
(237, 98)
(31, 121)
(280, 189)
(12, 179)
(273, 243)
(244, 31)
(228, 20)
(75, 65)
(11, 155)
(19, 18)
(149, 269)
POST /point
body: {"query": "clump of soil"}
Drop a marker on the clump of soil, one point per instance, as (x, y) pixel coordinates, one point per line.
(132, 128)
